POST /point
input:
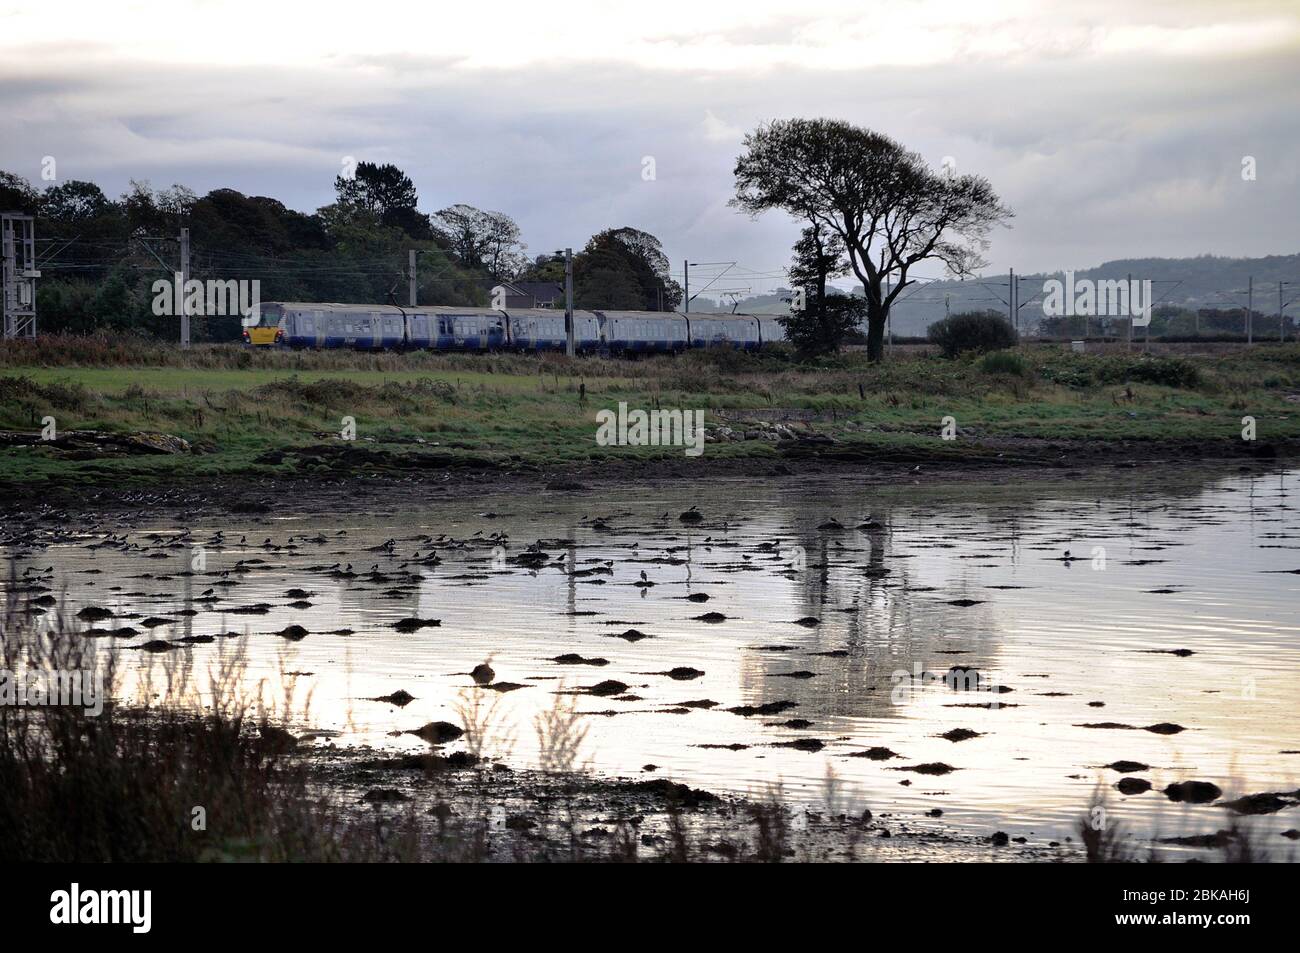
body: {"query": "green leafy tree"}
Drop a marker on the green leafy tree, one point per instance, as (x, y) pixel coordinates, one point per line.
(67, 304)
(17, 194)
(75, 202)
(814, 334)
(385, 194)
(544, 268)
(820, 323)
(606, 287)
(163, 212)
(972, 331)
(376, 188)
(87, 233)
(890, 210)
(485, 241)
(624, 269)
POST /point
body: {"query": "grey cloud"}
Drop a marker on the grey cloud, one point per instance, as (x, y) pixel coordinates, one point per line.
(1098, 159)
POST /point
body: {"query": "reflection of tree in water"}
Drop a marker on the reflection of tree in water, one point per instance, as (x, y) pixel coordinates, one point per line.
(864, 600)
(359, 598)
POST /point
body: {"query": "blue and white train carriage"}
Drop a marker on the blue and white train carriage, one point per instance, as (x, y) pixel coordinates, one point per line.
(388, 327)
(361, 326)
(739, 331)
(542, 329)
(770, 329)
(644, 332)
(455, 329)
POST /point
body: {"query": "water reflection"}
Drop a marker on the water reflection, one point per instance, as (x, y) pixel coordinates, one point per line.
(1071, 596)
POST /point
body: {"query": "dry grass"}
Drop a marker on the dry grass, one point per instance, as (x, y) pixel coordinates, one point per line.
(175, 774)
(189, 767)
(1105, 841)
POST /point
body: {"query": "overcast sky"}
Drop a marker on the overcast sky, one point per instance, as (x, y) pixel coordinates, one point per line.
(1112, 129)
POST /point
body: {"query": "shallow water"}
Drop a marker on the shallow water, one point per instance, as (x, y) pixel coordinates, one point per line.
(1060, 634)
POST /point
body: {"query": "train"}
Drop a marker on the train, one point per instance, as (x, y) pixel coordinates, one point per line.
(301, 325)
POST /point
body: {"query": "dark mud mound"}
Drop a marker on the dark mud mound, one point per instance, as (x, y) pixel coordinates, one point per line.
(1193, 792)
(768, 708)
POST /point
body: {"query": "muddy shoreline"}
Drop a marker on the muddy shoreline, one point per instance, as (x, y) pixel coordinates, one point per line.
(327, 474)
(451, 810)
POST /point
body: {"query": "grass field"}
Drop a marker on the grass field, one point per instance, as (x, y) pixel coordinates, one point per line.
(234, 405)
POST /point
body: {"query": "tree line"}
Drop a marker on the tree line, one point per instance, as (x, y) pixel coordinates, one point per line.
(100, 256)
(867, 206)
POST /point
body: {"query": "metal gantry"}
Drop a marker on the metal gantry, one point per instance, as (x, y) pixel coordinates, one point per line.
(18, 274)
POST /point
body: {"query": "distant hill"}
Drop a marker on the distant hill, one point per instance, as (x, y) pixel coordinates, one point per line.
(757, 304)
(1206, 281)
